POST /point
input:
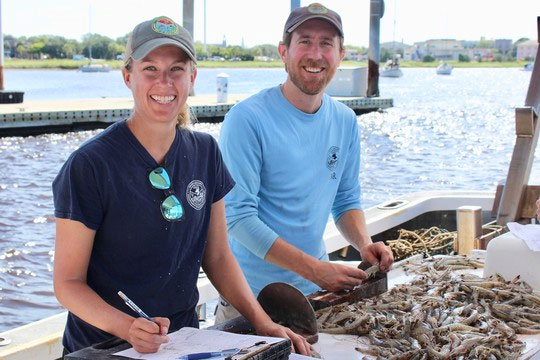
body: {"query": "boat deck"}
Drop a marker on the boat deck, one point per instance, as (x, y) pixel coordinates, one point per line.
(42, 339)
(42, 116)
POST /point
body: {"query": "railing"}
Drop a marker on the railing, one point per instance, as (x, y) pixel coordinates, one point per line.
(527, 131)
(533, 94)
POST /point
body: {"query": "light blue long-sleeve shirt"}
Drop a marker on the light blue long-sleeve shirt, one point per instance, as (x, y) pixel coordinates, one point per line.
(291, 170)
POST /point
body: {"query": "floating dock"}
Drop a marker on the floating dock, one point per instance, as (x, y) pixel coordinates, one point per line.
(45, 116)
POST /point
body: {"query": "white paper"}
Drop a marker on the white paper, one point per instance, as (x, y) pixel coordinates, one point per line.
(294, 356)
(529, 233)
(190, 340)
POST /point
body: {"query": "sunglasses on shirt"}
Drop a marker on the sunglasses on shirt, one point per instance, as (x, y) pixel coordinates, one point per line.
(171, 207)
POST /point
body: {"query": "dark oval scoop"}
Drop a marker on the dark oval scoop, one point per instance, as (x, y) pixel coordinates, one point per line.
(287, 306)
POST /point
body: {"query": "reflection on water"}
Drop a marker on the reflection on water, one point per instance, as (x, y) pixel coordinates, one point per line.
(453, 132)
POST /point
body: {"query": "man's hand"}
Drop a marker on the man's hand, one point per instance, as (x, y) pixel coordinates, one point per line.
(378, 253)
(146, 336)
(336, 277)
(270, 328)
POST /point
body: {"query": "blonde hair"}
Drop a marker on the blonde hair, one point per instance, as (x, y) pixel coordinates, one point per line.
(183, 119)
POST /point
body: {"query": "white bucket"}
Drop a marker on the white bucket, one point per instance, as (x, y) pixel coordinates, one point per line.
(222, 81)
(509, 256)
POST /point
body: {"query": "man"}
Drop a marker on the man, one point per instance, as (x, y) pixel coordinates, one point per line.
(294, 153)
(538, 210)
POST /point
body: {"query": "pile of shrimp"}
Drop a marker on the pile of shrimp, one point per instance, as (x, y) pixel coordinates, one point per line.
(441, 315)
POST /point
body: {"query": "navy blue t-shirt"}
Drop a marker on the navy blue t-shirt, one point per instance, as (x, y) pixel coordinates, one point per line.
(104, 185)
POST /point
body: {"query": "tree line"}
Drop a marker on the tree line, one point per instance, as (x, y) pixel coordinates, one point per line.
(103, 47)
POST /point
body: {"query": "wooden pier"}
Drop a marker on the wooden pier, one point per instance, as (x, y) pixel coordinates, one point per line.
(45, 116)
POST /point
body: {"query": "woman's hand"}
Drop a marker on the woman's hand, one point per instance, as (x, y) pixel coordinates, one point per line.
(300, 345)
(146, 336)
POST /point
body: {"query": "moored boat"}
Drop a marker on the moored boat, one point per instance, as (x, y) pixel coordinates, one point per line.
(444, 68)
(95, 68)
(391, 69)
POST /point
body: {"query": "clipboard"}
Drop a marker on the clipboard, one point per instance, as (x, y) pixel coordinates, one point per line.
(105, 351)
(276, 351)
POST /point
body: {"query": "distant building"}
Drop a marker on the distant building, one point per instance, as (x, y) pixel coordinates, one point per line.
(411, 53)
(393, 45)
(468, 44)
(503, 45)
(352, 54)
(481, 54)
(527, 50)
(444, 49)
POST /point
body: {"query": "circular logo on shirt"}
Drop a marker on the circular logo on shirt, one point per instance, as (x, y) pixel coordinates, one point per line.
(196, 194)
(332, 158)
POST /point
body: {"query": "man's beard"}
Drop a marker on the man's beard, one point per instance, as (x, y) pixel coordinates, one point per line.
(312, 87)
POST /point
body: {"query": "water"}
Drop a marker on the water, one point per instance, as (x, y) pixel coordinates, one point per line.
(445, 132)
(73, 84)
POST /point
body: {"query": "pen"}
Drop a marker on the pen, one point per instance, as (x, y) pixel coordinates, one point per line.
(134, 307)
(228, 353)
(208, 355)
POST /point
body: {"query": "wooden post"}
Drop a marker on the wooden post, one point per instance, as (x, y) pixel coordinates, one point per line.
(520, 166)
(1, 51)
(533, 93)
(527, 130)
(187, 16)
(187, 23)
(376, 12)
(469, 228)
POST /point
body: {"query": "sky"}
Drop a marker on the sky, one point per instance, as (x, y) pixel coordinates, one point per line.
(254, 22)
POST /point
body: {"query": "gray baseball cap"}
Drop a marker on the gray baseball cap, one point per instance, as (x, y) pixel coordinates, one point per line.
(160, 31)
(313, 11)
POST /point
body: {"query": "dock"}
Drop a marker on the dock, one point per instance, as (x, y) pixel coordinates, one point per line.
(46, 116)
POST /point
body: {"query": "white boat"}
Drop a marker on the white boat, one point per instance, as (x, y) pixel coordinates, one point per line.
(444, 68)
(391, 69)
(95, 68)
(91, 67)
(41, 340)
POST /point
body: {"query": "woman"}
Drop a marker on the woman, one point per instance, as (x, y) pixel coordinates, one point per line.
(140, 208)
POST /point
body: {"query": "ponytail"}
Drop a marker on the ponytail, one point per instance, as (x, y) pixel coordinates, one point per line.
(184, 117)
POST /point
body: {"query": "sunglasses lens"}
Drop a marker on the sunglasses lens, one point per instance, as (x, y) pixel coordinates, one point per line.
(160, 179)
(171, 208)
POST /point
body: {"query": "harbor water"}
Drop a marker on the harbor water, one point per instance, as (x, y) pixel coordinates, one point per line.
(444, 132)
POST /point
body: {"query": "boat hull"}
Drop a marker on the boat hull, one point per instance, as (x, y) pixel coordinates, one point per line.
(95, 68)
(41, 340)
(393, 73)
(444, 70)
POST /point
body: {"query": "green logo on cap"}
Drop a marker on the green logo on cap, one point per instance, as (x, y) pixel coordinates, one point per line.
(166, 26)
(317, 8)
